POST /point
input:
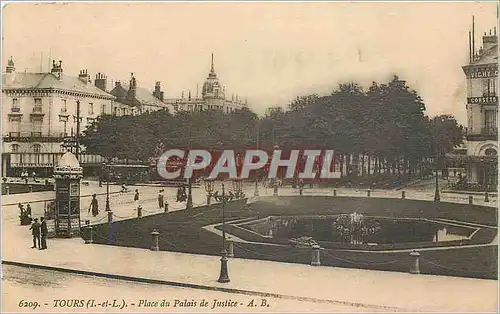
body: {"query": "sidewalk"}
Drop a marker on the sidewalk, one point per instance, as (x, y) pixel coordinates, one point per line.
(390, 291)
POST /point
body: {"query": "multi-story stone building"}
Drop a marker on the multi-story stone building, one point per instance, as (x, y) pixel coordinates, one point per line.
(482, 112)
(213, 97)
(39, 110)
(134, 100)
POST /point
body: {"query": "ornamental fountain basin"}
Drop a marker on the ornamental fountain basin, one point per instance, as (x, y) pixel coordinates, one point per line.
(356, 229)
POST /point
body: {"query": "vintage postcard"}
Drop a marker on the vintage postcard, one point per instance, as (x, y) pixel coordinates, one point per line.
(249, 157)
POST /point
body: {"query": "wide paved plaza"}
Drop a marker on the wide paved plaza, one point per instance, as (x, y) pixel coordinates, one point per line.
(102, 272)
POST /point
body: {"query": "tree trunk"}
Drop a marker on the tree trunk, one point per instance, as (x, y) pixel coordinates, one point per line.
(398, 164)
(348, 164)
(369, 164)
(363, 172)
(341, 162)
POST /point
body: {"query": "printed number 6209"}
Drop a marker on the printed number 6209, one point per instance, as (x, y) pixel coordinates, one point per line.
(29, 304)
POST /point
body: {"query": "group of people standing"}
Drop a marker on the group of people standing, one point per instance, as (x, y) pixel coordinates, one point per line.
(39, 232)
(181, 193)
(162, 203)
(25, 175)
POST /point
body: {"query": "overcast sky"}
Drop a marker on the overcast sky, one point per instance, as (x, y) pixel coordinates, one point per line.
(267, 52)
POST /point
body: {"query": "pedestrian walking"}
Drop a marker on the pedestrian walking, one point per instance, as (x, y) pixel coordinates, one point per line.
(35, 232)
(179, 194)
(94, 206)
(24, 176)
(34, 176)
(28, 210)
(160, 199)
(136, 198)
(44, 231)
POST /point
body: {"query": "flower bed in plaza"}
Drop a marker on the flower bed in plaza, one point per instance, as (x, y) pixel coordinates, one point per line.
(185, 231)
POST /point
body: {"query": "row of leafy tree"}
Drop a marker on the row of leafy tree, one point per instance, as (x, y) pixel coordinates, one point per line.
(385, 125)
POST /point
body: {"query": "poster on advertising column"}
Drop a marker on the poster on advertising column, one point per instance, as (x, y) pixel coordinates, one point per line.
(62, 198)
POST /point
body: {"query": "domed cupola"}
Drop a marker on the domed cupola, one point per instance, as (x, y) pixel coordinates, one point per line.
(212, 87)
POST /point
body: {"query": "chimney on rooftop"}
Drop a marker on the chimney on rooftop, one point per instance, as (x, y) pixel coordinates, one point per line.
(132, 88)
(84, 76)
(10, 66)
(100, 81)
(57, 69)
(157, 92)
(490, 40)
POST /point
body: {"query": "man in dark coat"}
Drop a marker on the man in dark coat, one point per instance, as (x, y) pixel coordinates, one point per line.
(136, 198)
(94, 206)
(160, 199)
(44, 232)
(28, 210)
(35, 231)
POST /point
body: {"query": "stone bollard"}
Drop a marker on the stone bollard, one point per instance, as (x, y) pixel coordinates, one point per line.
(89, 239)
(471, 199)
(166, 207)
(110, 216)
(415, 263)
(334, 192)
(139, 211)
(315, 258)
(7, 190)
(154, 245)
(486, 197)
(275, 190)
(30, 187)
(369, 193)
(403, 195)
(230, 248)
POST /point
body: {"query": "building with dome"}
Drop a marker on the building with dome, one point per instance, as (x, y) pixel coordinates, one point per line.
(213, 97)
(482, 111)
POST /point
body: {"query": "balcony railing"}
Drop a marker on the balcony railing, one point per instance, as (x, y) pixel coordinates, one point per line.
(489, 131)
(34, 137)
(37, 109)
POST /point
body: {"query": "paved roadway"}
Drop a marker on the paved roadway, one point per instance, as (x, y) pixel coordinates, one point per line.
(43, 286)
(124, 207)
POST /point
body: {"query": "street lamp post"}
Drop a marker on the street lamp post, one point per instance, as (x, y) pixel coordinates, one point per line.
(223, 198)
(77, 137)
(275, 184)
(238, 188)
(437, 198)
(106, 167)
(189, 203)
(256, 192)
